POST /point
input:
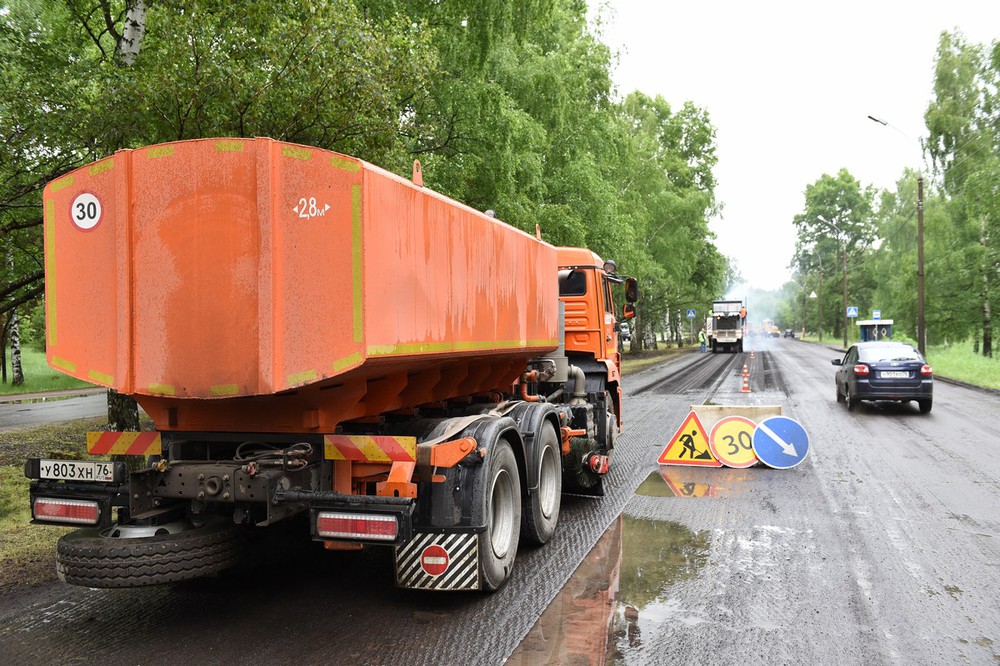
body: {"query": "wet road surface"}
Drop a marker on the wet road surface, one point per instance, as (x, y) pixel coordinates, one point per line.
(881, 547)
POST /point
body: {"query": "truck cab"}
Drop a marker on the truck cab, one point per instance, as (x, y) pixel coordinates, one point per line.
(591, 320)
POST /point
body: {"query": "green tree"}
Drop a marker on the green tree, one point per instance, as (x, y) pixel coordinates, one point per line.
(835, 228)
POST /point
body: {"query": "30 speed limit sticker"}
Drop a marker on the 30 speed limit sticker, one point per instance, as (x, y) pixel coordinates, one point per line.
(731, 441)
(85, 211)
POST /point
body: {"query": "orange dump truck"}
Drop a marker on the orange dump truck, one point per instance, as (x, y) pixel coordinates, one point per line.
(315, 336)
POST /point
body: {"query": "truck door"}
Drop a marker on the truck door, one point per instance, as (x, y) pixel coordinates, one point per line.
(609, 345)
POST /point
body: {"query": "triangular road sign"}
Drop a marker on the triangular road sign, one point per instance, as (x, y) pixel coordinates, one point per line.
(689, 446)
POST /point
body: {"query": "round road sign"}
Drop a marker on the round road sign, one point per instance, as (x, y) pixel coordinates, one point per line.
(434, 560)
(780, 442)
(732, 442)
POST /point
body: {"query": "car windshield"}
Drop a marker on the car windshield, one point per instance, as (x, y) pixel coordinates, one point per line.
(888, 353)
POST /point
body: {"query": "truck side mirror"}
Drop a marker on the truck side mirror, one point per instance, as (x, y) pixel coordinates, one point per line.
(628, 312)
(631, 290)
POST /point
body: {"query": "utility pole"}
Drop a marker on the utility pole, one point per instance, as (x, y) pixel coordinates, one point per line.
(921, 323)
(844, 252)
(921, 326)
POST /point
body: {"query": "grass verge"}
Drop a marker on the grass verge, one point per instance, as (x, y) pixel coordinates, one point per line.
(961, 363)
(38, 376)
(27, 552)
(633, 362)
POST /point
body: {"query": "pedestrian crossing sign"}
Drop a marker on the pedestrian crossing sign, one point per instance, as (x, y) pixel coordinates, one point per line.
(689, 446)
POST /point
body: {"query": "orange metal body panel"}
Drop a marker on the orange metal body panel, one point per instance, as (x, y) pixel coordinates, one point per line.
(252, 285)
(590, 318)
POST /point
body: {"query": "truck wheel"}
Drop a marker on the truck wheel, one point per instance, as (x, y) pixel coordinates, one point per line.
(131, 556)
(542, 513)
(498, 544)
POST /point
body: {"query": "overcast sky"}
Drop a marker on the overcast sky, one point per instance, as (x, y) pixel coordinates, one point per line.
(789, 86)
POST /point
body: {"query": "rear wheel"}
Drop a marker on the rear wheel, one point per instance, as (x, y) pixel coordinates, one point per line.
(925, 405)
(852, 402)
(135, 556)
(542, 513)
(840, 396)
(498, 544)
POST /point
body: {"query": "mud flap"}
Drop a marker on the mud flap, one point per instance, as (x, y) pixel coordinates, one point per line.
(434, 561)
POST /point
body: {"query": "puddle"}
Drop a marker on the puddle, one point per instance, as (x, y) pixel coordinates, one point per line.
(690, 482)
(620, 590)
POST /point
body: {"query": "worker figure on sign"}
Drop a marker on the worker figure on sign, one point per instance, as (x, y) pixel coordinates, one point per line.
(702, 338)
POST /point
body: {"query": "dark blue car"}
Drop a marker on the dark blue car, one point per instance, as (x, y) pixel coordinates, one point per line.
(884, 370)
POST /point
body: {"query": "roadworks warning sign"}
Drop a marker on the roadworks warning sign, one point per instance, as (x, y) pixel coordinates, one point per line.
(689, 446)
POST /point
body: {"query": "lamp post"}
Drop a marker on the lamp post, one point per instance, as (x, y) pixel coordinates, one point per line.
(842, 245)
(921, 329)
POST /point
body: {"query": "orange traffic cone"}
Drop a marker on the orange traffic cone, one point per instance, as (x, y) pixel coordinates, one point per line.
(751, 353)
(746, 384)
(746, 373)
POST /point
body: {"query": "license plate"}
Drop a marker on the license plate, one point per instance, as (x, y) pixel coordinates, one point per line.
(76, 470)
(895, 374)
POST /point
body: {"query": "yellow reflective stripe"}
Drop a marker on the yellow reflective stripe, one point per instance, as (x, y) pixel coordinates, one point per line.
(162, 389)
(101, 167)
(159, 151)
(50, 272)
(63, 364)
(224, 389)
(347, 362)
(61, 184)
(344, 164)
(229, 146)
(303, 377)
(296, 152)
(101, 377)
(431, 347)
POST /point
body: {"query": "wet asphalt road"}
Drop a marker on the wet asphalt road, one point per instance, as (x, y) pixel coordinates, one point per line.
(880, 548)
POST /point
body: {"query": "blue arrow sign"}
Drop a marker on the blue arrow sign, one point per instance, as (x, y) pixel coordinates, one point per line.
(691, 314)
(852, 311)
(780, 442)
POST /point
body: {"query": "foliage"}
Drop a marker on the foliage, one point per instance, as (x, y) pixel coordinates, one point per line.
(508, 104)
(958, 361)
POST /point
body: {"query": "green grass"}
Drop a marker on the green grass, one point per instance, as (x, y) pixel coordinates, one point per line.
(632, 363)
(27, 552)
(38, 376)
(959, 362)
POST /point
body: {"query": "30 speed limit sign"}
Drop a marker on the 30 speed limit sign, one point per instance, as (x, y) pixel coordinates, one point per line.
(731, 442)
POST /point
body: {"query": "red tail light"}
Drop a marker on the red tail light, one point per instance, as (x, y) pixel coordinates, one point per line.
(861, 370)
(365, 526)
(54, 510)
(926, 370)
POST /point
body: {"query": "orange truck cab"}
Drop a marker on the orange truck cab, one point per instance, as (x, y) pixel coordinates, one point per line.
(313, 335)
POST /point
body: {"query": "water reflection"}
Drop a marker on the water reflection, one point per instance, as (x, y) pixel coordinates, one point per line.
(620, 590)
(686, 482)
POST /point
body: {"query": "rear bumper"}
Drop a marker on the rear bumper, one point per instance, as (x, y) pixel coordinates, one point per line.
(868, 391)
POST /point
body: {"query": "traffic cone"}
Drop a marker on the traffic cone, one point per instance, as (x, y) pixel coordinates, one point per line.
(751, 353)
(746, 384)
(746, 373)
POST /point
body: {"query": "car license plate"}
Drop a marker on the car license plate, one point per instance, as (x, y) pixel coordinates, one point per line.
(76, 470)
(895, 374)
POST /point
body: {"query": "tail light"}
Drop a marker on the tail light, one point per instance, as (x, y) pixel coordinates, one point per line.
(364, 526)
(926, 370)
(76, 512)
(861, 370)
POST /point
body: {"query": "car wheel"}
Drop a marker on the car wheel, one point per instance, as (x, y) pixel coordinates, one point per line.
(852, 402)
(925, 405)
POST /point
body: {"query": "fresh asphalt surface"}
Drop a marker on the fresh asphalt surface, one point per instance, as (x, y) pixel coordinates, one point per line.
(881, 547)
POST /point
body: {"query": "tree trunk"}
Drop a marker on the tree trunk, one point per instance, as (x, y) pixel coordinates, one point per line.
(987, 314)
(17, 373)
(132, 32)
(123, 412)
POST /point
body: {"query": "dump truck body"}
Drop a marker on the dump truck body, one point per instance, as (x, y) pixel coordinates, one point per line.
(313, 334)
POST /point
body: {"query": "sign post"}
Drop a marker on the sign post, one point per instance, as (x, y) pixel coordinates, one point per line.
(691, 315)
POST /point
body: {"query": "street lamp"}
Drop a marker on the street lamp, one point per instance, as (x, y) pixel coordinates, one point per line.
(921, 331)
(843, 251)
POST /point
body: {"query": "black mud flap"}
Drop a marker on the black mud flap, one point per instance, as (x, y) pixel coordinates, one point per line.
(434, 561)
